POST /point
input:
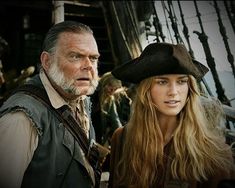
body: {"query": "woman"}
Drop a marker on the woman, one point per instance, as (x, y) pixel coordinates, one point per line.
(109, 117)
(113, 100)
(168, 142)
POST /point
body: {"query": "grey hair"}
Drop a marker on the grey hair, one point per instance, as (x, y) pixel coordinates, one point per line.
(52, 35)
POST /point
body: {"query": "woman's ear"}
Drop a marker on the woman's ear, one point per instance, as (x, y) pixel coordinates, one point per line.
(45, 60)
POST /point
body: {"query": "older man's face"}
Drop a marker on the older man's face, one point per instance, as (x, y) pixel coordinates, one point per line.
(74, 63)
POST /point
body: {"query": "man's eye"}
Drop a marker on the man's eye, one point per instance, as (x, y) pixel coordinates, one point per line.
(93, 59)
(76, 57)
(73, 57)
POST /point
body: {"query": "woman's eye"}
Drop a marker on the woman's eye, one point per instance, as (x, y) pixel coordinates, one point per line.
(161, 82)
(183, 81)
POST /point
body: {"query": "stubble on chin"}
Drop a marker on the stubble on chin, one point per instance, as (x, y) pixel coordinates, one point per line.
(67, 85)
(94, 84)
(58, 77)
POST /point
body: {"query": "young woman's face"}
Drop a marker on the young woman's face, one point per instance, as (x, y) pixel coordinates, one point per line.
(169, 93)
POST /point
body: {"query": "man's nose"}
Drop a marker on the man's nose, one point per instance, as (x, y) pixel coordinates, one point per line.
(86, 63)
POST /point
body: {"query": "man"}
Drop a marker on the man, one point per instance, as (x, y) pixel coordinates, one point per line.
(37, 150)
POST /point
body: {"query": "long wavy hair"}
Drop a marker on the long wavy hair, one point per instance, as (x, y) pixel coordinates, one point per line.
(198, 150)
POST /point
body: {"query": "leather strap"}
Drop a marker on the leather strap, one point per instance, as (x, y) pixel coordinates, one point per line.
(63, 113)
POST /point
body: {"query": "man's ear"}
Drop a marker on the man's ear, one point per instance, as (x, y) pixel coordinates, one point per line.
(45, 60)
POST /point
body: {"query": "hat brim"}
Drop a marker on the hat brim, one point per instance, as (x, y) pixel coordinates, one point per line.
(202, 69)
(133, 71)
(160, 59)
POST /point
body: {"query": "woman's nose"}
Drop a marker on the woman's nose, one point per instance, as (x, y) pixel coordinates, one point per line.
(172, 89)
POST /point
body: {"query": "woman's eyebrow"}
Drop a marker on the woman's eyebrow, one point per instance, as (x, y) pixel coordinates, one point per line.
(165, 77)
(183, 77)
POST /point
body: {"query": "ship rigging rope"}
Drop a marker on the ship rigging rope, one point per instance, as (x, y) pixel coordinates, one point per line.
(167, 25)
(120, 27)
(134, 26)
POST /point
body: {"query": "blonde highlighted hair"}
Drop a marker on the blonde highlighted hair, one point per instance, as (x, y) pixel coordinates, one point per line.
(199, 152)
(107, 80)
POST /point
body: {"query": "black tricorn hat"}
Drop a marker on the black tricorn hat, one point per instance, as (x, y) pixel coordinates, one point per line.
(159, 59)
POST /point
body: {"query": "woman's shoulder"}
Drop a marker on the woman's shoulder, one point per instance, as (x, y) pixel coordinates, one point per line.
(117, 133)
(118, 138)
